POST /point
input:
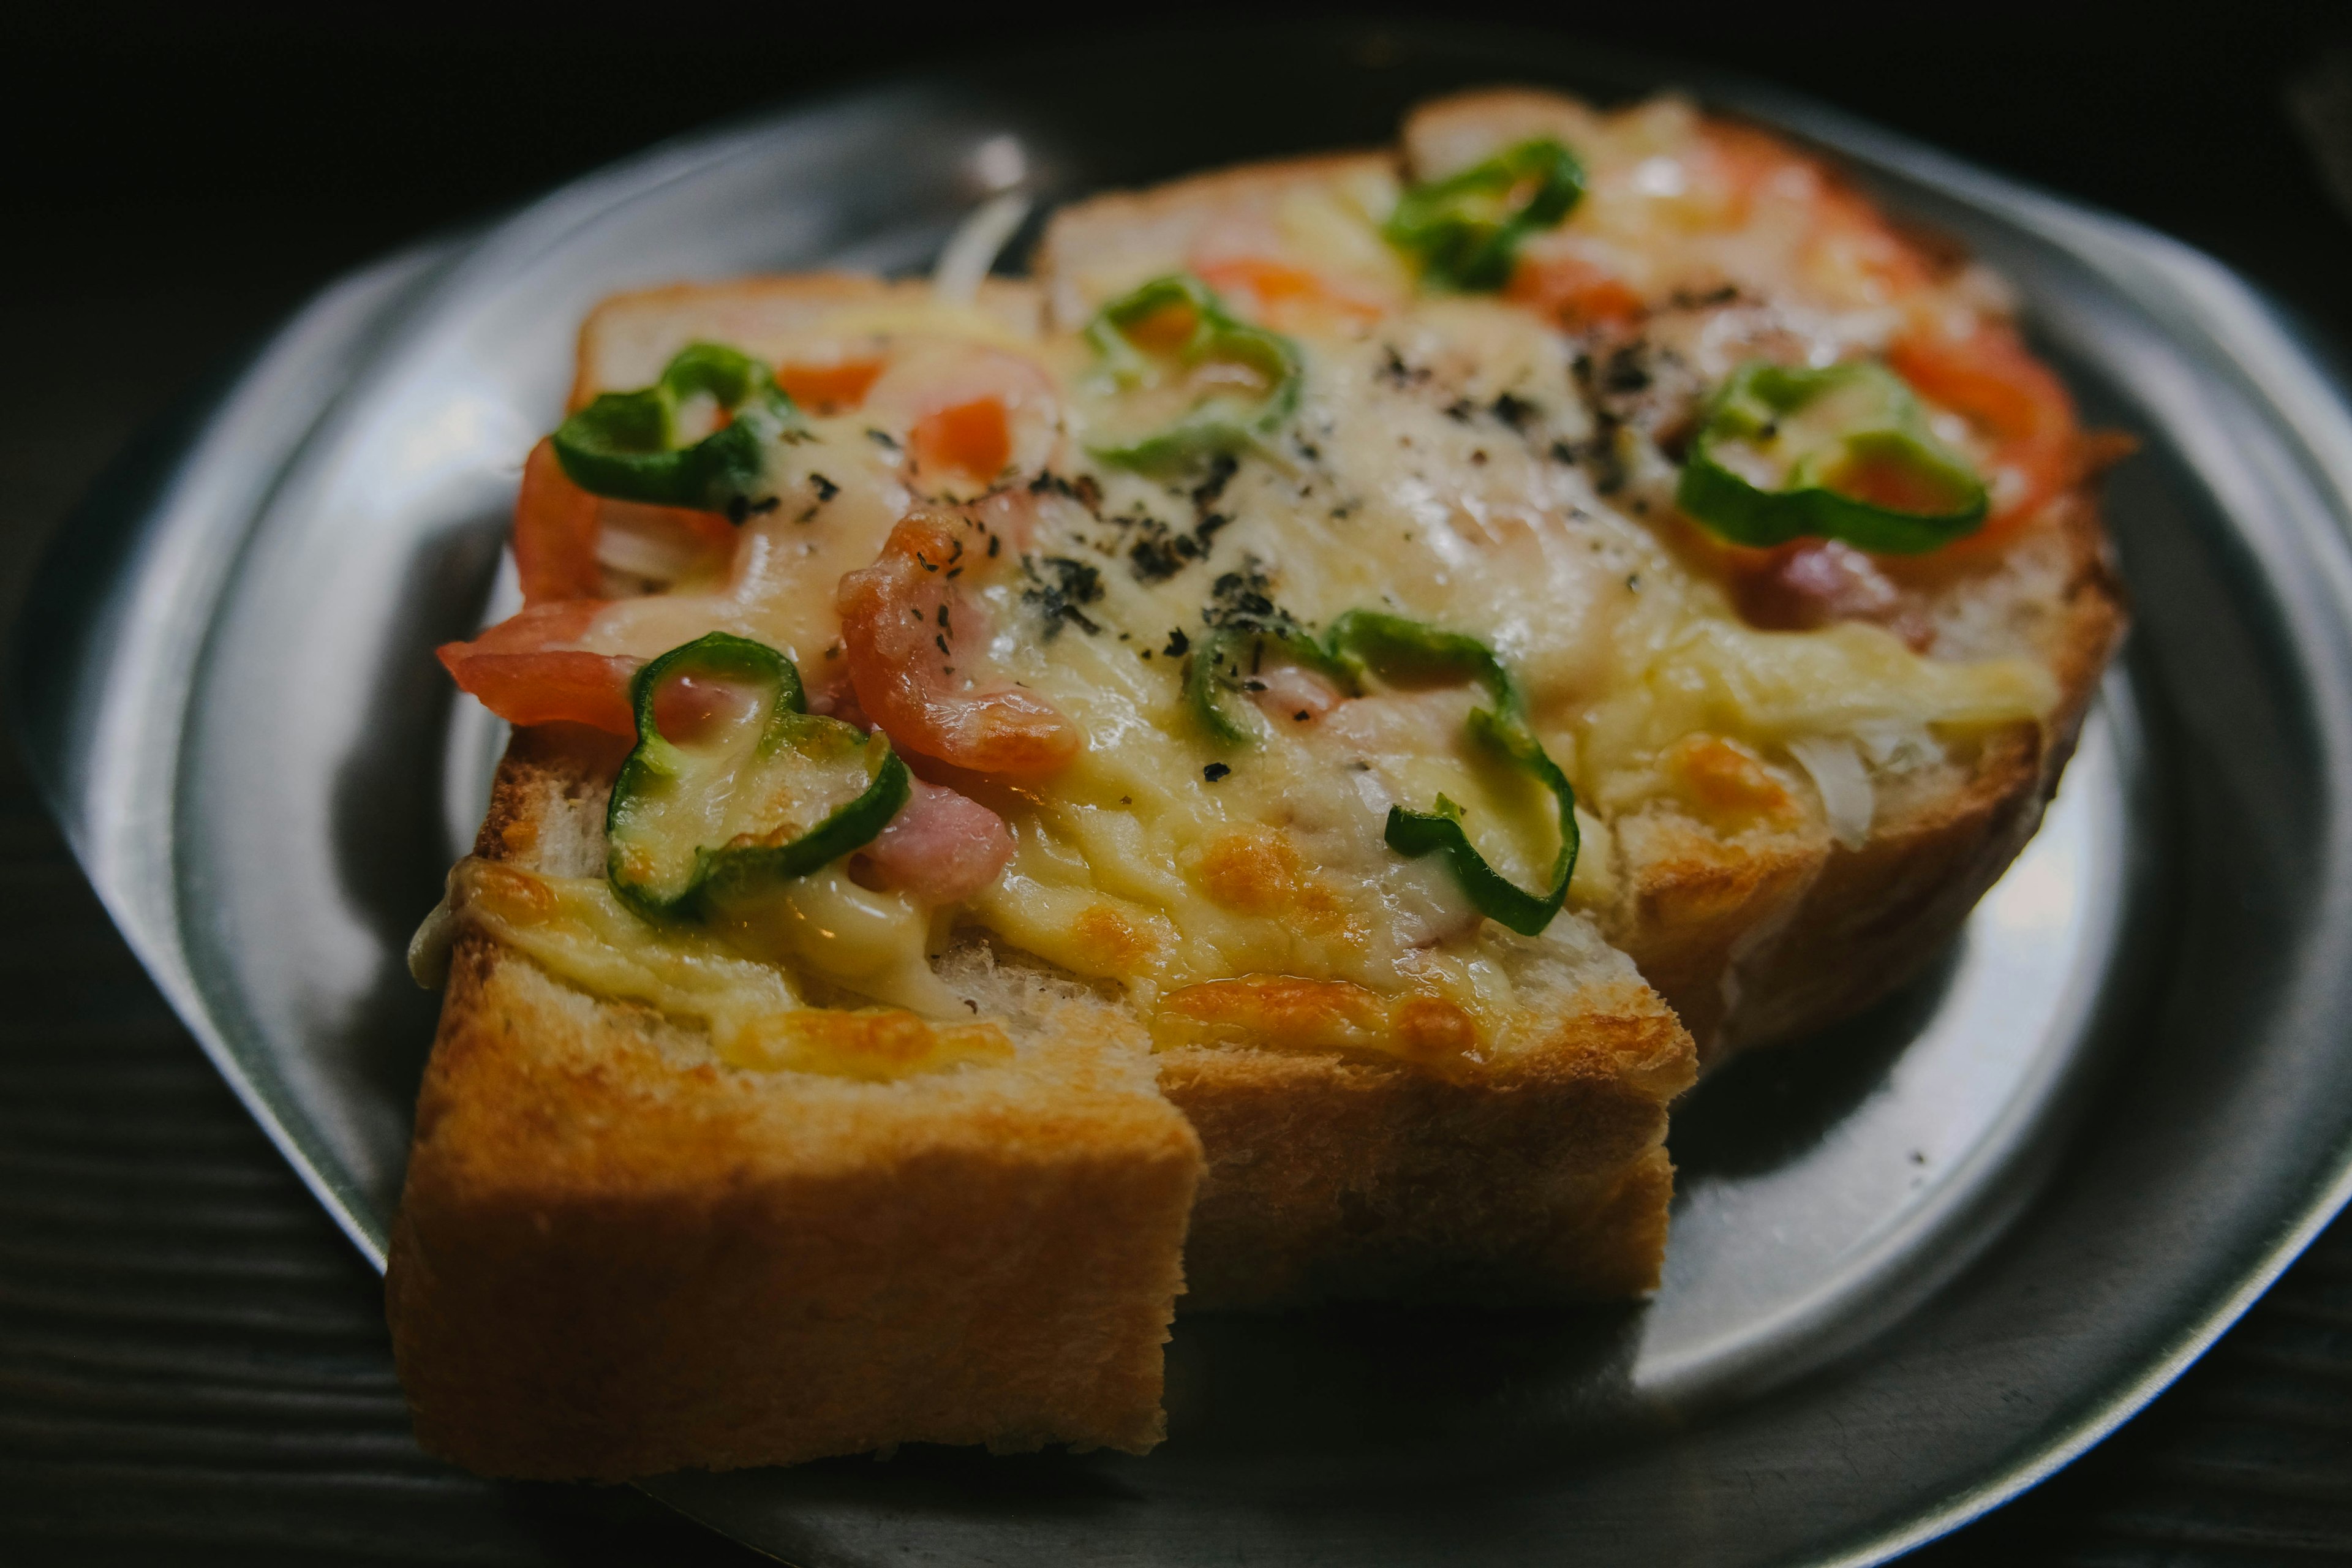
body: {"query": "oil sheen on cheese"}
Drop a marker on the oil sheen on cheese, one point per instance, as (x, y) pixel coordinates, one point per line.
(1430, 471)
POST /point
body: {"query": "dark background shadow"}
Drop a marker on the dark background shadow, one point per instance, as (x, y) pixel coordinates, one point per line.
(176, 179)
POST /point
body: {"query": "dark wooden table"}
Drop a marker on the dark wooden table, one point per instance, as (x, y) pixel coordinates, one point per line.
(192, 1362)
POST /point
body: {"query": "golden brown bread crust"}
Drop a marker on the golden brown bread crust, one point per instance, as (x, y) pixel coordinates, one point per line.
(1542, 1179)
(1771, 938)
(628, 338)
(607, 1263)
(610, 1263)
(1537, 1176)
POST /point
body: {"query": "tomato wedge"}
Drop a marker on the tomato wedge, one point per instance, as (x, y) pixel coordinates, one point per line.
(975, 439)
(555, 527)
(914, 642)
(1280, 293)
(1573, 292)
(1989, 377)
(558, 527)
(520, 670)
(826, 389)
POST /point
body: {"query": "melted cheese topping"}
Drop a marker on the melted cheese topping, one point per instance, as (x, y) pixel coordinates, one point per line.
(1431, 471)
(576, 929)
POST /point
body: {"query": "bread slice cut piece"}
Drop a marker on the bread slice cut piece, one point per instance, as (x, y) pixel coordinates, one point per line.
(616, 1257)
(1539, 1177)
(1760, 938)
(1533, 1170)
(1754, 934)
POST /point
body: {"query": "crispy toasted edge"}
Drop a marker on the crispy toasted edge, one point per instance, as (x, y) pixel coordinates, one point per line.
(780, 302)
(1082, 224)
(679, 1168)
(607, 1308)
(1576, 1116)
(1336, 1175)
(1829, 931)
(554, 763)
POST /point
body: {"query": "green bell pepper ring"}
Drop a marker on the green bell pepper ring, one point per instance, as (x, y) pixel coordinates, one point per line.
(759, 791)
(1843, 452)
(1369, 642)
(1216, 421)
(1465, 230)
(1227, 659)
(1391, 647)
(626, 444)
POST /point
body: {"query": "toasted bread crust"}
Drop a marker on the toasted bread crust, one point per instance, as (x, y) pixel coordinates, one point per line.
(615, 1258)
(628, 338)
(1543, 1179)
(1771, 938)
(607, 1263)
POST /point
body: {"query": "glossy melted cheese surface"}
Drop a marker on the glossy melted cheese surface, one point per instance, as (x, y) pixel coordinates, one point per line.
(1434, 470)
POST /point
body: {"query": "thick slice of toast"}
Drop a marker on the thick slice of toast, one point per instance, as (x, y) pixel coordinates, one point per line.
(619, 1255)
(1543, 1181)
(1764, 936)
(615, 1255)
(1329, 1172)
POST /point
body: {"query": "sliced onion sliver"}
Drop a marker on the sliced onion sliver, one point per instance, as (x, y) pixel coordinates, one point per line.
(1838, 774)
(971, 250)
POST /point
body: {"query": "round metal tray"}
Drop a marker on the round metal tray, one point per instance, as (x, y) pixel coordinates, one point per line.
(1915, 1265)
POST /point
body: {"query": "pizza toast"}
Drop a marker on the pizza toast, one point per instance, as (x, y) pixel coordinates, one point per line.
(1104, 990)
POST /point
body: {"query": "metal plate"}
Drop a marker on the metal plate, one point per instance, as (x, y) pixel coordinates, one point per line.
(1915, 1266)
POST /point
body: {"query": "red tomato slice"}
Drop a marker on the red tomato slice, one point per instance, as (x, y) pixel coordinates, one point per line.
(557, 526)
(1573, 292)
(1990, 378)
(520, 670)
(823, 389)
(1280, 293)
(913, 640)
(975, 439)
(555, 529)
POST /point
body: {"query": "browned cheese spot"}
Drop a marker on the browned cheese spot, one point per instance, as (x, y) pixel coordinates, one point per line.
(875, 1043)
